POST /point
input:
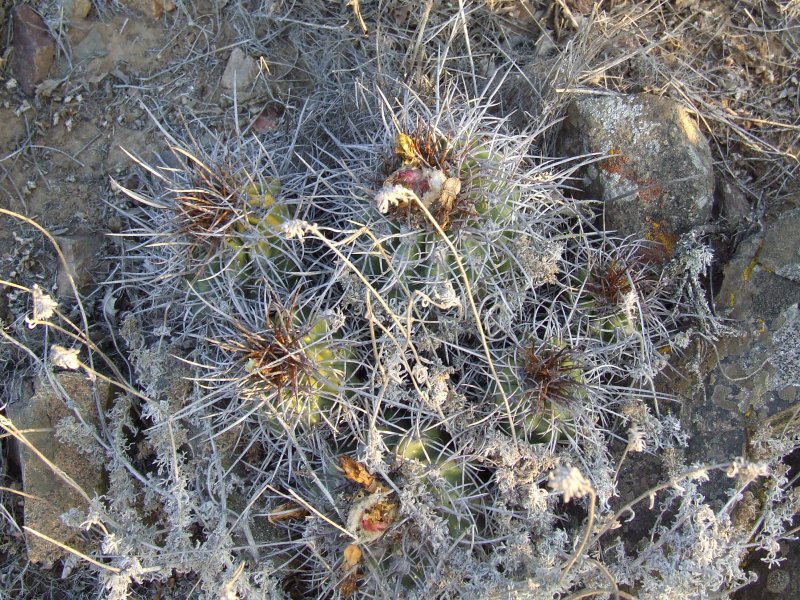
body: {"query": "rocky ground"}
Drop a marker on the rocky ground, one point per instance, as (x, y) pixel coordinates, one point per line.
(706, 144)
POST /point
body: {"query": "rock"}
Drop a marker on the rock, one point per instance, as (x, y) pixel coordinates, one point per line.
(116, 46)
(91, 46)
(76, 9)
(12, 131)
(132, 140)
(151, 8)
(82, 256)
(240, 72)
(735, 212)
(775, 583)
(780, 251)
(657, 179)
(753, 378)
(733, 218)
(760, 281)
(287, 73)
(34, 49)
(48, 495)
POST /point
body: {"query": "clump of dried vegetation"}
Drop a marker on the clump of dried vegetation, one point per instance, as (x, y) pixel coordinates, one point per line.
(382, 351)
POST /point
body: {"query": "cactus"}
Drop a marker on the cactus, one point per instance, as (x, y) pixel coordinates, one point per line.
(366, 337)
(460, 184)
(448, 477)
(543, 383)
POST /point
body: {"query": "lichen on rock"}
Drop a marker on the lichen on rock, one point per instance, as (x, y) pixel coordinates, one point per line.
(653, 171)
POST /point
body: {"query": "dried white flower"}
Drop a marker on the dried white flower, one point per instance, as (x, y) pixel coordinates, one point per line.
(747, 470)
(295, 228)
(445, 296)
(636, 441)
(394, 195)
(110, 544)
(438, 391)
(539, 258)
(681, 340)
(630, 304)
(162, 331)
(43, 307)
(436, 179)
(394, 368)
(570, 482)
(65, 358)
(420, 374)
(537, 498)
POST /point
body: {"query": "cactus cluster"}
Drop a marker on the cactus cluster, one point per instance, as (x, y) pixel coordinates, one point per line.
(389, 349)
(364, 337)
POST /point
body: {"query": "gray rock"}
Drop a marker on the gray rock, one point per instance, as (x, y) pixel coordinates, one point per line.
(76, 9)
(759, 281)
(775, 583)
(48, 495)
(82, 258)
(91, 46)
(240, 72)
(12, 130)
(134, 141)
(657, 178)
(34, 49)
(780, 252)
(735, 212)
(753, 378)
